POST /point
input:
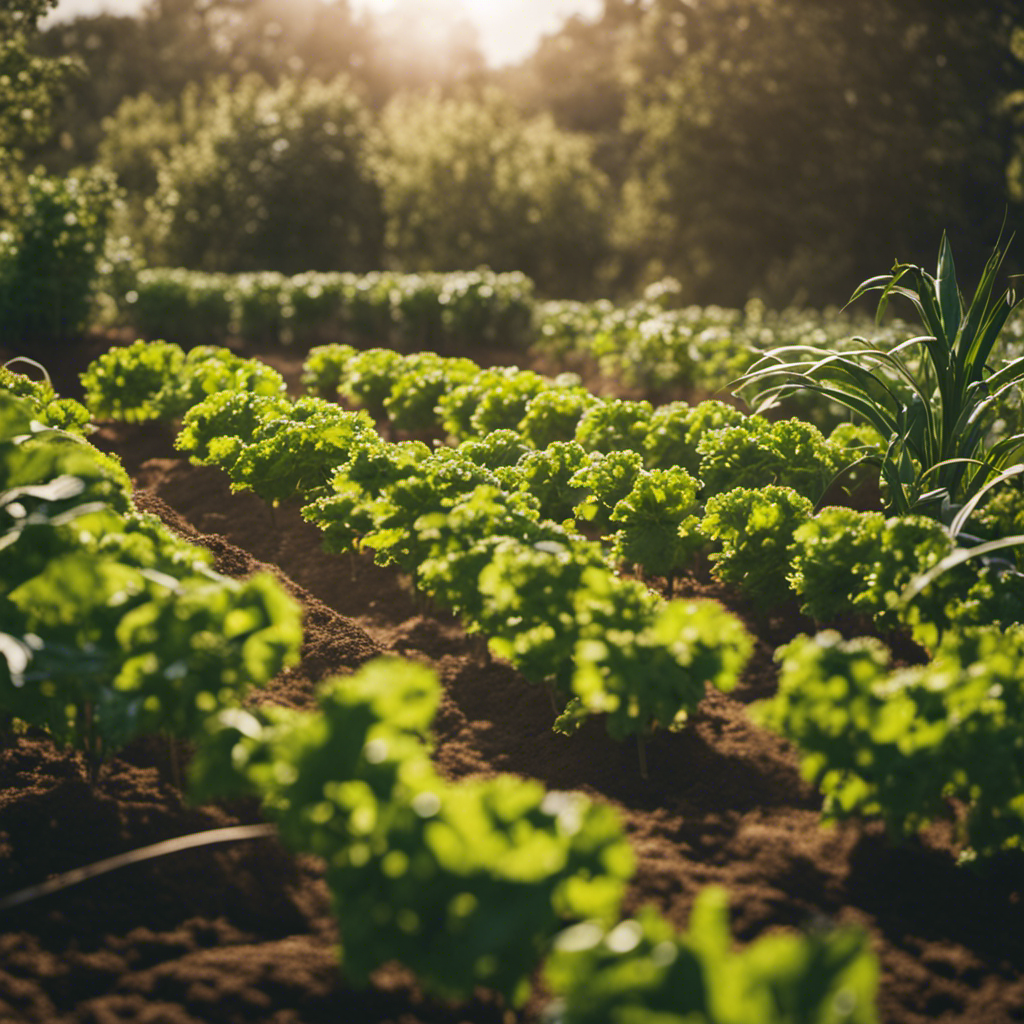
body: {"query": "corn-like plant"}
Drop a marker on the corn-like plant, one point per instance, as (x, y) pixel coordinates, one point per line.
(930, 396)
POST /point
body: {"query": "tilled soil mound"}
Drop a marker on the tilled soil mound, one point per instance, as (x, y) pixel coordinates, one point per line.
(242, 932)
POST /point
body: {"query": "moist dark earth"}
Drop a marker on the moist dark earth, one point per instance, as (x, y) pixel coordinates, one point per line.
(242, 932)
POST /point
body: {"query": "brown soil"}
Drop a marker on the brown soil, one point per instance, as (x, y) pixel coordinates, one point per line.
(242, 933)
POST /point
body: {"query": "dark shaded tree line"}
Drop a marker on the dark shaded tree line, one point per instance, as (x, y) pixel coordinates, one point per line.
(786, 148)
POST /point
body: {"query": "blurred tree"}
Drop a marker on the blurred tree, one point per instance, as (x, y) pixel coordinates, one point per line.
(172, 44)
(28, 82)
(116, 61)
(796, 146)
(469, 180)
(265, 178)
(137, 141)
(577, 73)
(420, 46)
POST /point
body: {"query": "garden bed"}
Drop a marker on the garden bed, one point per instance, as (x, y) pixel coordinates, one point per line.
(242, 932)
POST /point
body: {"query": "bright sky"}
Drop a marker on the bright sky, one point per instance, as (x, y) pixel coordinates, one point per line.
(509, 29)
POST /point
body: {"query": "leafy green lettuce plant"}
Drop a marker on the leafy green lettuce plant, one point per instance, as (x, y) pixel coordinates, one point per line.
(607, 480)
(756, 453)
(899, 744)
(144, 381)
(677, 428)
(860, 562)
(754, 528)
(426, 377)
(296, 454)
(642, 971)
(554, 414)
(467, 883)
(215, 430)
(324, 369)
(658, 524)
(548, 475)
(616, 425)
(113, 627)
(645, 663)
(48, 408)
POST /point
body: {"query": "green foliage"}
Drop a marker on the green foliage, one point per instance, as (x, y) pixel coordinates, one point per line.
(70, 471)
(834, 553)
(499, 449)
(529, 596)
(30, 83)
(723, 109)
(215, 430)
(845, 561)
(465, 884)
(272, 178)
(933, 412)
(456, 408)
(553, 415)
(755, 530)
(346, 514)
(155, 380)
(755, 453)
(643, 662)
(463, 540)
(412, 402)
(210, 370)
(180, 305)
(607, 479)
(899, 744)
(295, 455)
(615, 426)
(51, 255)
(324, 369)
(548, 476)
(369, 378)
(405, 311)
(644, 972)
(47, 407)
(112, 626)
(503, 405)
(658, 523)
(469, 181)
(144, 381)
(1001, 515)
(676, 430)
(432, 484)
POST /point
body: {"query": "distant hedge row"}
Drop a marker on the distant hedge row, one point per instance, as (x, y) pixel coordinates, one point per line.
(435, 311)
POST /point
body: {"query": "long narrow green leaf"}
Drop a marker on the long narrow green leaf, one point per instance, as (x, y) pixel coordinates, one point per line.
(965, 513)
(1011, 373)
(988, 334)
(951, 561)
(803, 371)
(949, 462)
(978, 311)
(927, 291)
(921, 339)
(947, 292)
(1006, 448)
(872, 284)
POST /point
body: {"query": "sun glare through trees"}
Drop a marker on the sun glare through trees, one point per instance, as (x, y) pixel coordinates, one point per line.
(512, 511)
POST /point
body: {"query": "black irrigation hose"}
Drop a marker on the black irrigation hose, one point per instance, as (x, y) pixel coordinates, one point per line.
(231, 834)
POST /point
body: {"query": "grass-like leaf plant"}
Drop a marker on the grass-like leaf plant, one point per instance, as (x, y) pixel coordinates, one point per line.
(930, 396)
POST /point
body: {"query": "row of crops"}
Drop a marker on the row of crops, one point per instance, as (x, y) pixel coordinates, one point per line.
(115, 628)
(530, 506)
(649, 344)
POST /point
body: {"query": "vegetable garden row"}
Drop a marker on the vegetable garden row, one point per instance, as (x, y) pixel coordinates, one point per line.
(535, 510)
